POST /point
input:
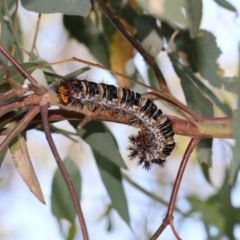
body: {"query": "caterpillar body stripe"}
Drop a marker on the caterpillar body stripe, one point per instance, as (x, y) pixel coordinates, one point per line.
(155, 140)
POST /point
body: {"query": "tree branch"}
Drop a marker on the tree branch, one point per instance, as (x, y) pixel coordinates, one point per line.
(169, 216)
(73, 194)
(149, 59)
(23, 72)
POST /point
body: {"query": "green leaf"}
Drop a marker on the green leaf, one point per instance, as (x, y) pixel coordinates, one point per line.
(112, 179)
(235, 163)
(218, 210)
(210, 211)
(230, 84)
(108, 161)
(128, 13)
(9, 4)
(152, 79)
(51, 76)
(194, 15)
(206, 53)
(2, 155)
(76, 7)
(61, 202)
(195, 98)
(14, 73)
(71, 232)
(173, 13)
(204, 151)
(225, 108)
(148, 33)
(202, 54)
(196, 101)
(226, 5)
(78, 71)
(84, 31)
(6, 38)
(205, 171)
(145, 25)
(101, 141)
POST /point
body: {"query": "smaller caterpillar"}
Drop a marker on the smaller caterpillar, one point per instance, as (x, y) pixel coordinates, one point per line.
(153, 143)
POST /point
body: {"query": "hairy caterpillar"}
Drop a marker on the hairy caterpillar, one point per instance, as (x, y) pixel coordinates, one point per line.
(153, 143)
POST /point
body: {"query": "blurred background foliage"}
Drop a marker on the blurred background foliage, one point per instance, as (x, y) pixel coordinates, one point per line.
(194, 42)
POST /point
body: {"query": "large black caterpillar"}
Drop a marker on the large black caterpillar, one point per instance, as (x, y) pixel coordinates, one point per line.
(154, 141)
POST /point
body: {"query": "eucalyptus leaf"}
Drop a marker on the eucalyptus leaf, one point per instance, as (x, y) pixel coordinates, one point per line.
(2, 156)
(61, 202)
(108, 160)
(195, 98)
(76, 7)
(206, 52)
(51, 76)
(204, 152)
(6, 38)
(196, 101)
(101, 141)
(112, 179)
(210, 211)
(226, 4)
(174, 14)
(14, 73)
(72, 232)
(84, 31)
(194, 15)
(145, 25)
(9, 4)
(224, 107)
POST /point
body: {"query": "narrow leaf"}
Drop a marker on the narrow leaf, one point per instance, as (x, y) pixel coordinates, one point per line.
(206, 52)
(14, 73)
(198, 103)
(2, 155)
(226, 5)
(84, 31)
(112, 179)
(71, 232)
(108, 161)
(76, 7)
(194, 15)
(148, 33)
(23, 164)
(225, 108)
(51, 76)
(101, 140)
(204, 151)
(61, 202)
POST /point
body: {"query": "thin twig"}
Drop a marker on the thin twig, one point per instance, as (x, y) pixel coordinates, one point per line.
(73, 194)
(13, 93)
(20, 127)
(35, 37)
(17, 65)
(160, 95)
(169, 216)
(148, 193)
(29, 100)
(148, 58)
(208, 129)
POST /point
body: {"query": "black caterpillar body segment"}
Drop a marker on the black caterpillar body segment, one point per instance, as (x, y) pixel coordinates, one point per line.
(153, 143)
